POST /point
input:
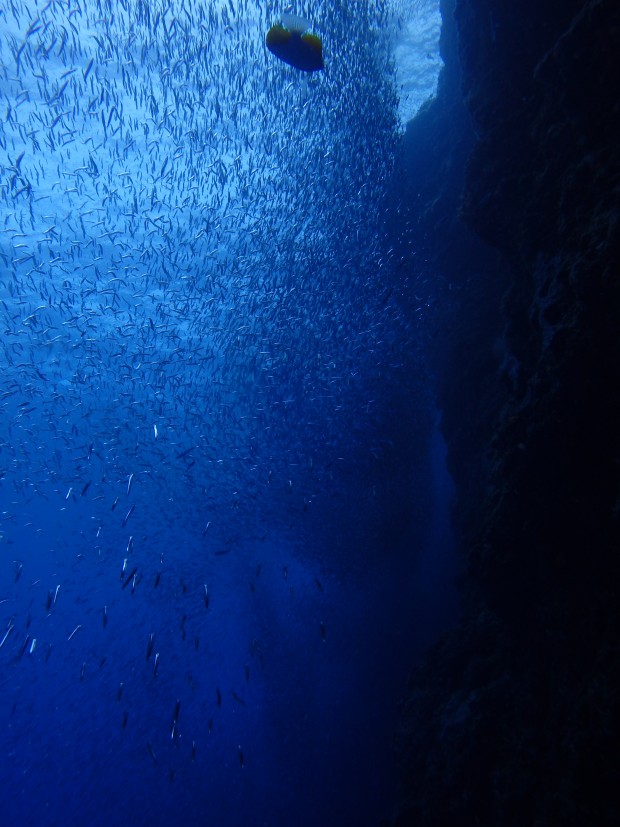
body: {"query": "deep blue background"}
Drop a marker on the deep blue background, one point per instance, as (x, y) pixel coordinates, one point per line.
(214, 367)
(317, 716)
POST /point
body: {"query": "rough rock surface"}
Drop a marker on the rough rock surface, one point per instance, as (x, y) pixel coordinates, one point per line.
(512, 718)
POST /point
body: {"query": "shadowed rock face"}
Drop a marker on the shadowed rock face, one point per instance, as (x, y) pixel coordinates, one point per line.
(511, 719)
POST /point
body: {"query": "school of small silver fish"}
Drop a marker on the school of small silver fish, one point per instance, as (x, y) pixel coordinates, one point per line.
(198, 312)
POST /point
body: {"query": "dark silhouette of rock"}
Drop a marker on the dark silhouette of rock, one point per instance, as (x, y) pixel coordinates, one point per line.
(512, 718)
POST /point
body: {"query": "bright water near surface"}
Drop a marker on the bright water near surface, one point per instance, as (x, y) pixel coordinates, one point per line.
(223, 495)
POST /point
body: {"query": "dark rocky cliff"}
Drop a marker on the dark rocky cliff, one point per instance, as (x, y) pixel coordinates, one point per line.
(512, 718)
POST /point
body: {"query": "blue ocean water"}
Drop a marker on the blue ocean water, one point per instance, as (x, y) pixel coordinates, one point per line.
(223, 493)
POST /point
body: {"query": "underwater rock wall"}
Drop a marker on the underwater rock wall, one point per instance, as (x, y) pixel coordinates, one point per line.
(511, 718)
